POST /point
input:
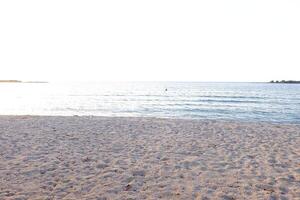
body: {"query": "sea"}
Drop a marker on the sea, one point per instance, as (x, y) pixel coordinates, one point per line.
(192, 100)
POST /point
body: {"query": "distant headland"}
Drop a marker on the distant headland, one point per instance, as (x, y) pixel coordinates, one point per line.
(284, 81)
(10, 81)
(18, 81)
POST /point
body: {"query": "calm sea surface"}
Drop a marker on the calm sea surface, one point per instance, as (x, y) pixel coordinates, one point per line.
(233, 101)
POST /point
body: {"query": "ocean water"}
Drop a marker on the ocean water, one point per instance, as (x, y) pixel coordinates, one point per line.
(227, 101)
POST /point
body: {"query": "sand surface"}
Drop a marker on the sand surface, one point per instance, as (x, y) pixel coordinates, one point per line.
(147, 158)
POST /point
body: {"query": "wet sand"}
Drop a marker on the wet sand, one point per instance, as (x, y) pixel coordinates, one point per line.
(147, 158)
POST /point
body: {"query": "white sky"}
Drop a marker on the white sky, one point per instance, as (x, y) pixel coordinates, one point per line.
(157, 40)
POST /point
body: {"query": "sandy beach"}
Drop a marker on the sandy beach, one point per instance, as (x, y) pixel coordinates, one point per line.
(147, 158)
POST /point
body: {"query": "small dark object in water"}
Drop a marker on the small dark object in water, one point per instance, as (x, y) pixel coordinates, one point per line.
(166, 89)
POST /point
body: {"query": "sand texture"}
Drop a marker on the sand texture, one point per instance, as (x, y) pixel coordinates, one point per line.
(147, 158)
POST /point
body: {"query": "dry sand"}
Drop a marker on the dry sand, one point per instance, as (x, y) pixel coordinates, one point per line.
(147, 158)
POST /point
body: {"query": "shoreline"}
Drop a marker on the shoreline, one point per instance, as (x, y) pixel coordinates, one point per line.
(164, 118)
(87, 157)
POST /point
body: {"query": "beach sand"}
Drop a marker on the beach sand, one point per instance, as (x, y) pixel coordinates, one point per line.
(147, 158)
